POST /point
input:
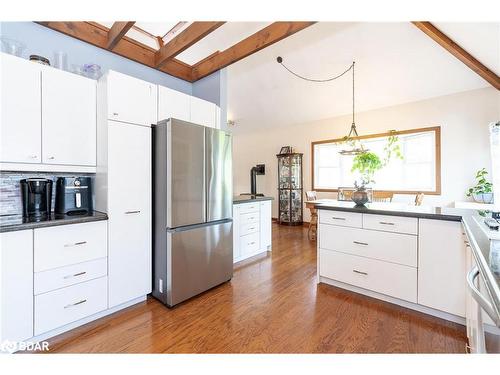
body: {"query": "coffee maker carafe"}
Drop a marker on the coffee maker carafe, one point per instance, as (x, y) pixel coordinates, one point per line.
(36, 194)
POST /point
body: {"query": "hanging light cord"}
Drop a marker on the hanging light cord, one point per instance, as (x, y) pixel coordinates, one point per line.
(279, 59)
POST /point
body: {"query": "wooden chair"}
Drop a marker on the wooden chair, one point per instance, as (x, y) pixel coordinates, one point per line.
(382, 196)
(419, 198)
(313, 223)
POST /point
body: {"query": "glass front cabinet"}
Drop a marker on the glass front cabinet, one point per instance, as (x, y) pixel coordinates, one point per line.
(290, 189)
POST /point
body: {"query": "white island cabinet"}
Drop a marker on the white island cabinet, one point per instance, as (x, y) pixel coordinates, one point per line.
(415, 262)
(251, 229)
(16, 285)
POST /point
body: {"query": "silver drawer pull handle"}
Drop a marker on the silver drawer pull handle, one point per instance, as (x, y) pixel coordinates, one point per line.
(132, 212)
(338, 218)
(360, 272)
(75, 244)
(115, 114)
(51, 158)
(252, 243)
(360, 243)
(75, 275)
(33, 156)
(75, 304)
(252, 228)
(386, 223)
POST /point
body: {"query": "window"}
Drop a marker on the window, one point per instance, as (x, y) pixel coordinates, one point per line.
(419, 171)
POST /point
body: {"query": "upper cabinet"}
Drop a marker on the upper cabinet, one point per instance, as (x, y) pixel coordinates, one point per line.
(130, 99)
(174, 104)
(68, 118)
(203, 112)
(20, 109)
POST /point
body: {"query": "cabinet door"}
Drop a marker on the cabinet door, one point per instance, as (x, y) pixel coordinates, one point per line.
(265, 225)
(236, 233)
(68, 118)
(129, 190)
(130, 99)
(441, 266)
(203, 112)
(20, 111)
(16, 285)
(173, 104)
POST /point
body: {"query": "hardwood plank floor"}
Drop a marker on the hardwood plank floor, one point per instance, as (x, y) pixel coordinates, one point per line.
(272, 305)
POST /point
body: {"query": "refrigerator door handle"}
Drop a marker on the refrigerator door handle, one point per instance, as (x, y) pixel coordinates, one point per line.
(205, 201)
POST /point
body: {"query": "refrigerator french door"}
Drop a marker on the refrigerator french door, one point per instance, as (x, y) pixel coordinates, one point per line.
(192, 210)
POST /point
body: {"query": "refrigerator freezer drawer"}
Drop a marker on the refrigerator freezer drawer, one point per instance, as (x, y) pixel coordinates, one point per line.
(198, 259)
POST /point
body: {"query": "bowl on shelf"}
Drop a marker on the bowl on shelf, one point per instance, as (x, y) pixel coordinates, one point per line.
(12, 46)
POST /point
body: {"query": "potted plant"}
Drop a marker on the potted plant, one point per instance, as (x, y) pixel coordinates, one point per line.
(366, 163)
(483, 191)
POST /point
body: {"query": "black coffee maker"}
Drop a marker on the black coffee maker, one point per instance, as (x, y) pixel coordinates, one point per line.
(36, 195)
(73, 196)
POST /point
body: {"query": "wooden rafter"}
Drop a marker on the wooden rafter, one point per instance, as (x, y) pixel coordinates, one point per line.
(118, 31)
(447, 43)
(185, 39)
(97, 35)
(255, 42)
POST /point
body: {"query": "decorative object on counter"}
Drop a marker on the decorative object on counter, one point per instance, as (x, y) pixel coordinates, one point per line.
(419, 198)
(285, 150)
(360, 195)
(345, 193)
(40, 60)
(61, 60)
(290, 207)
(92, 71)
(12, 46)
(483, 191)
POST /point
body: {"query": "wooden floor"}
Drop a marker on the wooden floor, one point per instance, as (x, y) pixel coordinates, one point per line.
(272, 305)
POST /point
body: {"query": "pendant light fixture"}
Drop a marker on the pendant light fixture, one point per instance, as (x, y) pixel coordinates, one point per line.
(352, 139)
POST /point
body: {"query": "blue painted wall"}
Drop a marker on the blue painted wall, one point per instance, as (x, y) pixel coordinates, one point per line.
(214, 89)
(43, 41)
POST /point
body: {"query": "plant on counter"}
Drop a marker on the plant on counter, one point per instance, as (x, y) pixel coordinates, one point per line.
(483, 191)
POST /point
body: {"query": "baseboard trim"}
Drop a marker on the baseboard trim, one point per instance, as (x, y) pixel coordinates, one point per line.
(395, 301)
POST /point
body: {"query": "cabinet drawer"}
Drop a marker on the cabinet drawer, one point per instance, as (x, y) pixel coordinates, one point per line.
(345, 219)
(246, 208)
(253, 217)
(62, 277)
(398, 224)
(390, 247)
(249, 228)
(69, 244)
(67, 305)
(249, 244)
(387, 278)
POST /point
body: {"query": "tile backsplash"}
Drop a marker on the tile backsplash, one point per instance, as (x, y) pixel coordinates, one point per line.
(10, 192)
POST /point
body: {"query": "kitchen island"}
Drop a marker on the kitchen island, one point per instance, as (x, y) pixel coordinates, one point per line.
(417, 257)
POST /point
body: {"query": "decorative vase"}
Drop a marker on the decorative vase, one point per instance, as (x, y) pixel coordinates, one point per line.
(483, 197)
(360, 196)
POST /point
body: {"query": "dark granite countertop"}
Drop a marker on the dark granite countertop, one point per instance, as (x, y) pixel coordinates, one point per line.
(9, 223)
(250, 198)
(485, 243)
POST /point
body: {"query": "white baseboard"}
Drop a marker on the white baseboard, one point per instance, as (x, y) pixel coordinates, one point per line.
(396, 301)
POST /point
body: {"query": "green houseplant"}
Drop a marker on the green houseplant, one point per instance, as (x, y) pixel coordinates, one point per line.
(483, 191)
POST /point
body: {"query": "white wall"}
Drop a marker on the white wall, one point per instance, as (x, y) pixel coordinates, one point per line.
(463, 117)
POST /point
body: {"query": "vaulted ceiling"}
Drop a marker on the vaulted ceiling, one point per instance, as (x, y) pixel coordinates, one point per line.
(395, 63)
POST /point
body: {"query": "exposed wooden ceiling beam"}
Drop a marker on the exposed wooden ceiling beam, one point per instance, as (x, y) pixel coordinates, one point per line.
(118, 31)
(447, 43)
(97, 35)
(185, 39)
(255, 42)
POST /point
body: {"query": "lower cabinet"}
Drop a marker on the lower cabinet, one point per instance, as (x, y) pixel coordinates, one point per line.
(251, 229)
(441, 266)
(16, 285)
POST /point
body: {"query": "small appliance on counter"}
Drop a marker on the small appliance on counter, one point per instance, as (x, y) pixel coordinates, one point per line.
(73, 196)
(36, 195)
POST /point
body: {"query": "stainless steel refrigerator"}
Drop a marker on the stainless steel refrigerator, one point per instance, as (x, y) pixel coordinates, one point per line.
(192, 210)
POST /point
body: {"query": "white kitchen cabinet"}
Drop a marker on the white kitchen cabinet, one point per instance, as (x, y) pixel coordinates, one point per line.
(265, 225)
(129, 210)
(130, 99)
(203, 112)
(441, 266)
(236, 232)
(16, 285)
(20, 110)
(68, 118)
(173, 104)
